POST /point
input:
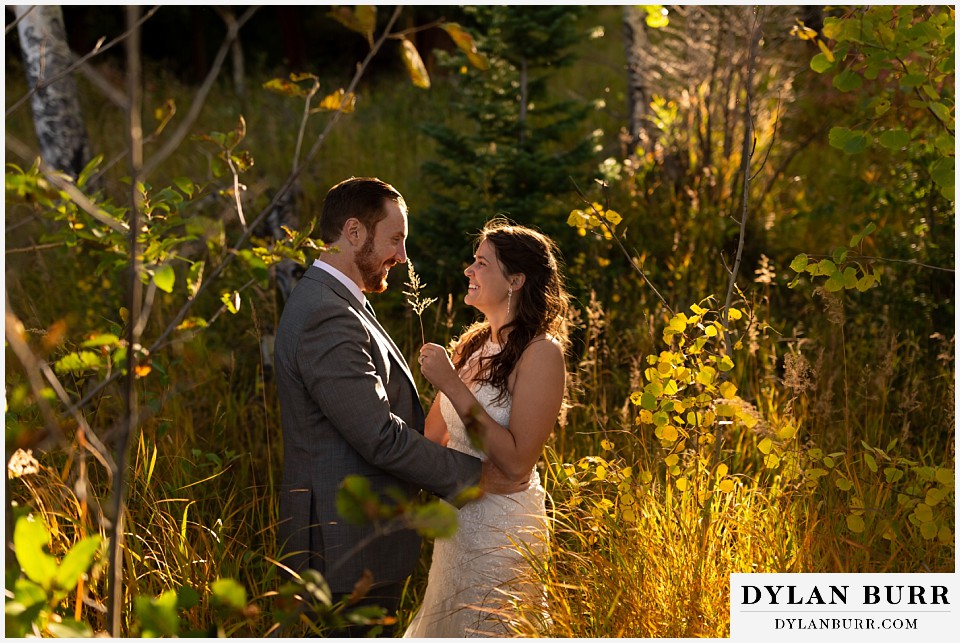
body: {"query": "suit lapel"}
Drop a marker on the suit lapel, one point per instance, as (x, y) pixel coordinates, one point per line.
(340, 290)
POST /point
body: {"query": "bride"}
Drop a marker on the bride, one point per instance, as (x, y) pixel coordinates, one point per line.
(503, 387)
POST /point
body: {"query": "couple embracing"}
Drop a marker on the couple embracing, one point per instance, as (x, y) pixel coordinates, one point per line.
(349, 405)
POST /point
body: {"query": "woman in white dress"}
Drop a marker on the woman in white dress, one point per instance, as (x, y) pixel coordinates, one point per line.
(506, 383)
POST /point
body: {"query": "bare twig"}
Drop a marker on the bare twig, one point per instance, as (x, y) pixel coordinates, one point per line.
(130, 421)
(173, 143)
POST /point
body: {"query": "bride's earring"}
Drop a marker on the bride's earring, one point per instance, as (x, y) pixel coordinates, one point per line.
(509, 297)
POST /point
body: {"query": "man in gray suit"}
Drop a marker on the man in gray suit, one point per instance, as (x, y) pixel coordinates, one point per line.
(349, 404)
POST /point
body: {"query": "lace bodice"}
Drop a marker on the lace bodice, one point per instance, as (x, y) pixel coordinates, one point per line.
(486, 395)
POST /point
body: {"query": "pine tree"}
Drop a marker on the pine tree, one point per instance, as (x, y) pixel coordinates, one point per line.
(519, 147)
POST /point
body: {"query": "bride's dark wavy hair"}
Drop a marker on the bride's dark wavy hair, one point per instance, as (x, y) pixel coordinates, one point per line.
(541, 302)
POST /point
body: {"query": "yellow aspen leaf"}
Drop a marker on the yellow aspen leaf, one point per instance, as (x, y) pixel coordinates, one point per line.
(728, 390)
(765, 446)
(613, 217)
(338, 100)
(934, 496)
(706, 375)
(892, 474)
(683, 484)
(725, 364)
(722, 470)
(928, 531)
(464, 41)
(726, 410)
(669, 433)
(855, 524)
(787, 432)
(843, 484)
(671, 460)
(414, 64)
(944, 476)
(771, 461)
(646, 417)
(923, 512)
(645, 477)
(871, 462)
(628, 515)
(747, 419)
(945, 536)
(726, 485)
(734, 314)
(826, 50)
(606, 445)
(828, 462)
(142, 370)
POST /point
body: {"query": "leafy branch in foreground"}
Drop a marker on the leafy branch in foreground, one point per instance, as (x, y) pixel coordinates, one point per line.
(413, 297)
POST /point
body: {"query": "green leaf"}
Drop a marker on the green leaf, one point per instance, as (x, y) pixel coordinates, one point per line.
(849, 277)
(228, 595)
(869, 229)
(30, 536)
(820, 63)
(895, 139)
(855, 523)
(839, 136)
(103, 339)
(943, 172)
(648, 402)
(158, 617)
(827, 267)
(165, 278)
(69, 628)
(77, 561)
(857, 144)
(185, 185)
(356, 501)
(847, 80)
(435, 520)
(834, 283)
(799, 263)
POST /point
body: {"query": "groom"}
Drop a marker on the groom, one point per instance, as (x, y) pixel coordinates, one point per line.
(349, 404)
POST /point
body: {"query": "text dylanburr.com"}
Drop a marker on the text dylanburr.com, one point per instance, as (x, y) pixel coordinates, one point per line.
(844, 607)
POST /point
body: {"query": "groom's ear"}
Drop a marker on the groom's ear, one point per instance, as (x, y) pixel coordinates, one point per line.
(353, 231)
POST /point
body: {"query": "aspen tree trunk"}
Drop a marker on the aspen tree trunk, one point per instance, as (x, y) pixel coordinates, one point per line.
(636, 45)
(61, 133)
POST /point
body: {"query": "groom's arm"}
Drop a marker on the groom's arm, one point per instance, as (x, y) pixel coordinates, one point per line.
(335, 362)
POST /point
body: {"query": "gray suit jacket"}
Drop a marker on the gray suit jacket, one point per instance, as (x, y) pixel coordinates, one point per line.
(349, 405)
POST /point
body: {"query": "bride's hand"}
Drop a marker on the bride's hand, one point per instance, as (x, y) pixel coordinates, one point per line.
(436, 366)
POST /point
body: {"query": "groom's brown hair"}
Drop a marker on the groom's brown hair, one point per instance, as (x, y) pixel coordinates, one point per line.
(361, 198)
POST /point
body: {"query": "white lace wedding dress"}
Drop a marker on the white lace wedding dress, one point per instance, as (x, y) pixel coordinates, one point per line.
(479, 576)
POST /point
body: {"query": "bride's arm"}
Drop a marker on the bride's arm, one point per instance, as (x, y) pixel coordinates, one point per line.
(434, 427)
(537, 395)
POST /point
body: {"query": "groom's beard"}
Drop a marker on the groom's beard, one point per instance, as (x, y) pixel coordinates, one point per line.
(372, 272)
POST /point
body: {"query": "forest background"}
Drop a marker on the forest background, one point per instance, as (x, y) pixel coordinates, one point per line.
(756, 211)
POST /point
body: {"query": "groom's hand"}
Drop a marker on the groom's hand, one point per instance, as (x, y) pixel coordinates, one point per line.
(495, 481)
